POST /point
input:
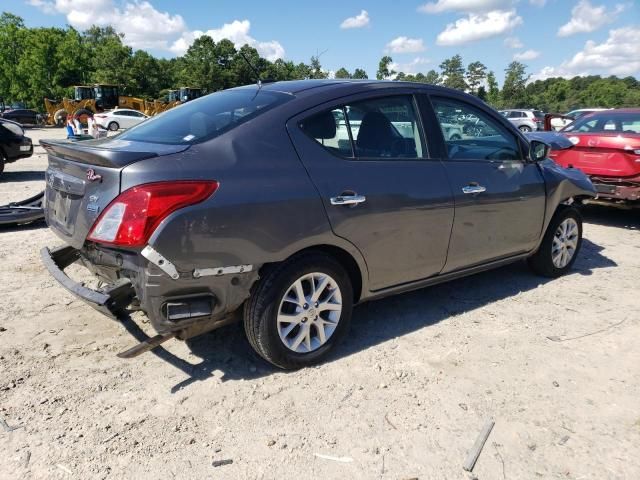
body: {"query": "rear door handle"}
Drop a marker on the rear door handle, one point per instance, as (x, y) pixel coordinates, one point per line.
(348, 199)
(472, 189)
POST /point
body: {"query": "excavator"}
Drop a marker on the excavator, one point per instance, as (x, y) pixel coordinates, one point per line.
(90, 99)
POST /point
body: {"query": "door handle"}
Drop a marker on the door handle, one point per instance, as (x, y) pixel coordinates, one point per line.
(348, 199)
(473, 189)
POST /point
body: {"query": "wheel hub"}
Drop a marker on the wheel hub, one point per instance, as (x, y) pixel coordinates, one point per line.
(309, 312)
(564, 243)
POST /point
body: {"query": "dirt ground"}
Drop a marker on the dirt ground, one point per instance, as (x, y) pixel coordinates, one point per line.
(555, 363)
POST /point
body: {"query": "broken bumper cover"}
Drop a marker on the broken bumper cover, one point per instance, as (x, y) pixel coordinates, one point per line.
(111, 301)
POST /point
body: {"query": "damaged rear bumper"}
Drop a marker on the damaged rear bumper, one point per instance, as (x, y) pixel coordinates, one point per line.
(180, 302)
(111, 300)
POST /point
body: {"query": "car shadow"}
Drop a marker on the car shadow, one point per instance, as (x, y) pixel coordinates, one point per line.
(22, 176)
(227, 350)
(612, 216)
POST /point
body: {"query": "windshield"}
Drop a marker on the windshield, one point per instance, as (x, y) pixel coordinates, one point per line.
(206, 117)
(609, 121)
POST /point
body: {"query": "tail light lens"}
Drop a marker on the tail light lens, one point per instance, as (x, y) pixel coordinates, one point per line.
(131, 218)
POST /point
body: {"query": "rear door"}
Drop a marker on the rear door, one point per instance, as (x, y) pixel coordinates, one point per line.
(499, 195)
(381, 187)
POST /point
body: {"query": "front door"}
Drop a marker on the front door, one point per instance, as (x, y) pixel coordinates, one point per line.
(499, 194)
(380, 187)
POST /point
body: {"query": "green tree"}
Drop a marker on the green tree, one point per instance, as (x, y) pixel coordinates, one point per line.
(515, 81)
(493, 93)
(432, 77)
(315, 68)
(343, 73)
(384, 71)
(12, 43)
(476, 73)
(453, 73)
(360, 74)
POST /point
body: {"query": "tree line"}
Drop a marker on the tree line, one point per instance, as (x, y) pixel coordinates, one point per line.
(47, 61)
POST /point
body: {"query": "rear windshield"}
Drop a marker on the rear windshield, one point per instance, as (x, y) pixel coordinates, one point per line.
(608, 121)
(206, 117)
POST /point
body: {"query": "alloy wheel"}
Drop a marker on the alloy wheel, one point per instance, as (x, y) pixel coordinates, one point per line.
(309, 312)
(565, 242)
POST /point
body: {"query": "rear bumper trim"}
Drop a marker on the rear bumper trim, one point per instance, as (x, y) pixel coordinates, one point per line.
(110, 301)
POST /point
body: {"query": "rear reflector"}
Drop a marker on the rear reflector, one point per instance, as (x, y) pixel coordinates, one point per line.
(131, 218)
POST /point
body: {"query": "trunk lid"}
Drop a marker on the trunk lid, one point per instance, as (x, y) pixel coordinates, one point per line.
(82, 178)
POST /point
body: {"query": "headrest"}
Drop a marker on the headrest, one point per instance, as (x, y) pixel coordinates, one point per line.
(321, 126)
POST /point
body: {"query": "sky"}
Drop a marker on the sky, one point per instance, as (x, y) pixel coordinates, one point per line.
(552, 37)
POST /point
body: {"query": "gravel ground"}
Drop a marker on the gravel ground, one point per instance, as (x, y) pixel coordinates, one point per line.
(555, 363)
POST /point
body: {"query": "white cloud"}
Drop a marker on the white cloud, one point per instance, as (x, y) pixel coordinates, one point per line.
(145, 27)
(465, 6)
(526, 55)
(236, 31)
(412, 67)
(538, 3)
(513, 42)
(478, 27)
(405, 45)
(586, 17)
(359, 21)
(618, 55)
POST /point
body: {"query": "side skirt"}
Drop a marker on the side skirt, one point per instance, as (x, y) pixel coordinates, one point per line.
(435, 280)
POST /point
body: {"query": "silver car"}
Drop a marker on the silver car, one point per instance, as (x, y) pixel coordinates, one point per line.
(525, 120)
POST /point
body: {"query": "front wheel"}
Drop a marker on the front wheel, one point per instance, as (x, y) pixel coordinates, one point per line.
(299, 310)
(560, 245)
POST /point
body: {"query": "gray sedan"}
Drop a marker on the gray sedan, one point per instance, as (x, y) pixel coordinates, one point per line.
(283, 205)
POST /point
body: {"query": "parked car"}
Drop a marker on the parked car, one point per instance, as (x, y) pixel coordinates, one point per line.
(23, 116)
(13, 143)
(562, 121)
(606, 146)
(251, 203)
(525, 120)
(119, 118)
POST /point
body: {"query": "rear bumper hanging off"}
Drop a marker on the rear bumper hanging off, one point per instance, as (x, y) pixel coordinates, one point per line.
(111, 300)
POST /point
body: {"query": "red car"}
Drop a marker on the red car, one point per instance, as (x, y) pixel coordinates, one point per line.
(606, 146)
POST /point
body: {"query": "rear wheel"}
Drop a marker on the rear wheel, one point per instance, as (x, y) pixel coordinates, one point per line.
(113, 126)
(524, 128)
(560, 245)
(299, 310)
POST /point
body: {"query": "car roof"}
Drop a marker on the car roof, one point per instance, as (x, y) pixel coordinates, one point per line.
(295, 87)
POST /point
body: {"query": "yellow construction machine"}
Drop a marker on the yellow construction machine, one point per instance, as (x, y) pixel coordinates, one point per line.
(97, 98)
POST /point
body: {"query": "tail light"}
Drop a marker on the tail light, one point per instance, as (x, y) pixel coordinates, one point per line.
(131, 218)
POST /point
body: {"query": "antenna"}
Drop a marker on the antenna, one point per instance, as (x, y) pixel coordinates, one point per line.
(255, 71)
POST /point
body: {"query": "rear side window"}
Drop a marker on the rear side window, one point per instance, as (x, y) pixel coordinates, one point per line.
(471, 134)
(205, 117)
(381, 128)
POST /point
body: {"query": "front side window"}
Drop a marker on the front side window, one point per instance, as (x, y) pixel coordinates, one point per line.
(379, 128)
(471, 134)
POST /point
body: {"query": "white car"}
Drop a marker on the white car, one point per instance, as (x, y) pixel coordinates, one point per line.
(119, 118)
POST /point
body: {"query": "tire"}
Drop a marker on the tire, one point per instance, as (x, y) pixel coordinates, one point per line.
(524, 128)
(267, 304)
(542, 262)
(85, 113)
(113, 126)
(60, 117)
(455, 137)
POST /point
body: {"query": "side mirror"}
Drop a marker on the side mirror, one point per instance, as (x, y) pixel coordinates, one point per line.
(538, 150)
